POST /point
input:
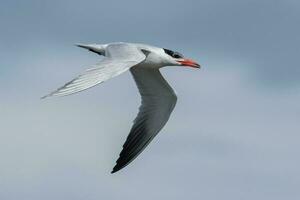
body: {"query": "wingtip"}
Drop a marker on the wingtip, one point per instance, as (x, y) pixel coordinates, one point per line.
(79, 45)
(44, 97)
(115, 169)
(85, 46)
(47, 96)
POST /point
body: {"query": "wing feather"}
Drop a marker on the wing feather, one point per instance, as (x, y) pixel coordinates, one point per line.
(158, 101)
(120, 57)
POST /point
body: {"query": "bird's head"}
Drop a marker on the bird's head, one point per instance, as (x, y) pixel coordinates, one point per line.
(178, 59)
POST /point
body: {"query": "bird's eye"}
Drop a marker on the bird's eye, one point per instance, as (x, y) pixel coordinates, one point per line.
(173, 54)
(177, 55)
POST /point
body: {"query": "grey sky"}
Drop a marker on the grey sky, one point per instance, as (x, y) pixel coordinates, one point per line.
(233, 135)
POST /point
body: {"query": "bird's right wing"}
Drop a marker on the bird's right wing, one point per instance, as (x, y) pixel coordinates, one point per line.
(119, 58)
(158, 101)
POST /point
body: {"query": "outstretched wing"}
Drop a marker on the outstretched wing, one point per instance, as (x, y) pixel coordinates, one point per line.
(119, 58)
(158, 101)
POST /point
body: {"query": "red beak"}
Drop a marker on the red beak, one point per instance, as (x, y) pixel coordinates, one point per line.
(189, 63)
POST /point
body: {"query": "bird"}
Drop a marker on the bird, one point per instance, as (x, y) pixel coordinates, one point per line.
(158, 99)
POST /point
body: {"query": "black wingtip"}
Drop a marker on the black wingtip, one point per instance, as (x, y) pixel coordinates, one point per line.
(116, 168)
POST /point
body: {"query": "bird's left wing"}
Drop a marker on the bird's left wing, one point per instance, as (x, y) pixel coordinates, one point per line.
(120, 57)
(158, 101)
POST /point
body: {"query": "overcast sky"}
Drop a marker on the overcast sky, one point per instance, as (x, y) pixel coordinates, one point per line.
(234, 133)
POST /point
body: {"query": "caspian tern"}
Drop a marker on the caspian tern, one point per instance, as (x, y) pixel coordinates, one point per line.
(158, 98)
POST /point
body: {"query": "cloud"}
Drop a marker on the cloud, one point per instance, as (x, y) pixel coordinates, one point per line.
(233, 133)
(263, 34)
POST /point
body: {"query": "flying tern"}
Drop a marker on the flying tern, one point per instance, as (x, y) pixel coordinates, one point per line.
(158, 98)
